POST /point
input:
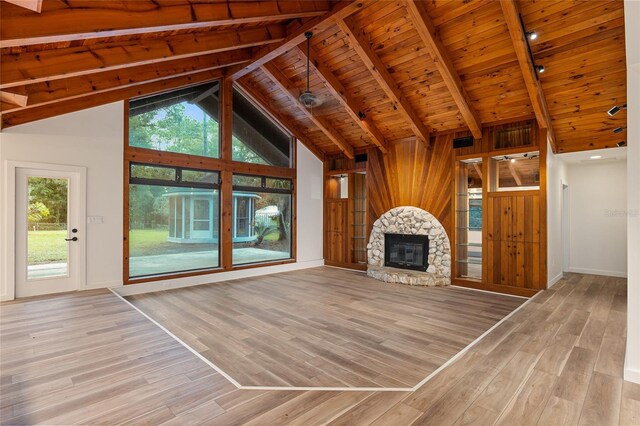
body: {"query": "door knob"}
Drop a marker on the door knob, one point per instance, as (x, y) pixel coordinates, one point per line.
(71, 239)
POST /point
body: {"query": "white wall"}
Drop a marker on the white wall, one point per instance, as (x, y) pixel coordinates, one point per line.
(632, 29)
(93, 138)
(556, 177)
(597, 218)
(309, 205)
(90, 138)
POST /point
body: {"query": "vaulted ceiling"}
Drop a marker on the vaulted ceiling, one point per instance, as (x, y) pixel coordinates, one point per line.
(385, 70)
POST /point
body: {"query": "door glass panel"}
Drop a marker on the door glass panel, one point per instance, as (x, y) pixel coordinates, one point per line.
(47, 250)
(201, 215)
(242, 217)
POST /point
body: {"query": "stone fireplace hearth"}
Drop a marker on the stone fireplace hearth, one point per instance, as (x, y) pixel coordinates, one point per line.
(410, 221)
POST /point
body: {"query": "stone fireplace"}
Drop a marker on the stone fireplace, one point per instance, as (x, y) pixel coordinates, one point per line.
(409, 245)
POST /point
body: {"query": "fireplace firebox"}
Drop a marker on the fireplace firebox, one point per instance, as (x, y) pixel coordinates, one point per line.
(406, 251)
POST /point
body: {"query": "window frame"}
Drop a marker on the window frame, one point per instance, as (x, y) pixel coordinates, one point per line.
(177, 183)
(292, 139)
(226, 167)
(219, 136)
(263, 188)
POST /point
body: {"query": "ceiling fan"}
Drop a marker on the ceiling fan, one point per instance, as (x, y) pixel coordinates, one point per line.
(308, 99)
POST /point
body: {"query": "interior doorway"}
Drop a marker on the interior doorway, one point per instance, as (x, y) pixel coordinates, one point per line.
(565, 228)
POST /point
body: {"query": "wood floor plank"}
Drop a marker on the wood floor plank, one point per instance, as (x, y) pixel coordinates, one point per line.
(602, 403)
(400, 334)
(89, 358)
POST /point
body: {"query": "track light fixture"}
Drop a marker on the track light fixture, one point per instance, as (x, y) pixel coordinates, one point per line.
(618, 130)
(621, 144)
(361, 115)
(532, 35)
(539, 68)
(616, 109)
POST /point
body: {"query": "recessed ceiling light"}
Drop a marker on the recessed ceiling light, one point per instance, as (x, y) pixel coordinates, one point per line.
(532, 35)
(513, 160)
(539, 68)
(595, 157)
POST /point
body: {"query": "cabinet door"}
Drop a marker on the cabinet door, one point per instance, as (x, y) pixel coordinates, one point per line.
(513, 241)
(336, 215)
(500, 218)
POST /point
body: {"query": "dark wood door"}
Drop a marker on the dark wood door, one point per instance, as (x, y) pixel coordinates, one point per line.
(336, 234)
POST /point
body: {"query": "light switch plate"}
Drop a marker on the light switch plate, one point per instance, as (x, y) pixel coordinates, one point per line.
(94, 219)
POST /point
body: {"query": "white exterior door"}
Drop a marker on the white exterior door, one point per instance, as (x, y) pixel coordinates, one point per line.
(49, 231)
(201, 218)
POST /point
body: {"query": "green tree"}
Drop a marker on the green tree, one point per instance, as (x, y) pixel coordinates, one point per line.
(141, 130)
(53, 194)
(241, 152)
(37, 212)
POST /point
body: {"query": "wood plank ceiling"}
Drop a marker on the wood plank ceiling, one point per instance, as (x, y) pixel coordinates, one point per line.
(385, 70)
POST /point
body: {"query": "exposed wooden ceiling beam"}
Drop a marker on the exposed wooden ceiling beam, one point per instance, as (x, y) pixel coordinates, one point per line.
(476, 167)
(427, 31)
(289, 88)
(514, 173)
(31, 5)
(295, 37)
(519, 40)
(290, 125)
(362, 47)
(14, 98)
(32, 67)
(48, 93)
(355, 111)
(27, 115)
(70, 20)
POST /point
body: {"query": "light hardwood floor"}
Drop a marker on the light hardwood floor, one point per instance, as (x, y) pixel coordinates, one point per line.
(325, 327)
(88, 358)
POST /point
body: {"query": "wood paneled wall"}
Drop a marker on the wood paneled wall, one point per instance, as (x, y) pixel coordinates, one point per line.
(412, 175)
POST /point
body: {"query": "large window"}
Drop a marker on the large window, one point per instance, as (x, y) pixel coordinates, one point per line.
(256, 138)
(184, 121)
(198, 202)
(173, 220)
(261, 219)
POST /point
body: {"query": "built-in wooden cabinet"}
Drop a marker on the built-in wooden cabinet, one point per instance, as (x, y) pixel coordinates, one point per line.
(345, 210)
(509, 163)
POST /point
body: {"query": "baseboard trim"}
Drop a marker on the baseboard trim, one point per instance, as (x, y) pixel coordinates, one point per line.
(631, 375)
(554, 280)
(104, 284)
(170, 284)
(598, 272)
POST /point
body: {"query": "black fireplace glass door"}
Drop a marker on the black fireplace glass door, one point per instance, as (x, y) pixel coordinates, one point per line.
(406, 251)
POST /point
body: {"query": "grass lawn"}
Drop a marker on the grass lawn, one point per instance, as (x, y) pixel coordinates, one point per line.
(50, 246)
(47, 247)
(148, 242)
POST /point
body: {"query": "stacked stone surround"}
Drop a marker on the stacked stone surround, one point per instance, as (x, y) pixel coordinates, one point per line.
(410, 220)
